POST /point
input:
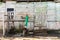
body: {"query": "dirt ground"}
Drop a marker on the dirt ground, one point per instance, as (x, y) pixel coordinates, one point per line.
(29, 38)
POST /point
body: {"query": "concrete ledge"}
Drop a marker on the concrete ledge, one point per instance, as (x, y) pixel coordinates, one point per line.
(25, 38)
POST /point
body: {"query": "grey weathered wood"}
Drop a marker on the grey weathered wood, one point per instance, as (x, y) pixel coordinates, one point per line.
(17, 20)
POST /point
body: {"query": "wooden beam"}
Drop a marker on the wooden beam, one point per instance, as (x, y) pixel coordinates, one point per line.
(17, 20)
(53, 21)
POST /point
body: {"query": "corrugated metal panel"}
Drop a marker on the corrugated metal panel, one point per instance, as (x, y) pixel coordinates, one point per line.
(44, 12)
(58, 11)
(51, 25)
(24, 7)
(40, 11)
(51, 14)
(2, 7)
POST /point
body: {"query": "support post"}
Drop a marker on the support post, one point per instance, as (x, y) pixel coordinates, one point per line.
(3, 26)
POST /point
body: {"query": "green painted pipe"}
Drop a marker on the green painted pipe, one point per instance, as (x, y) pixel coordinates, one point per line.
(26, 20)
